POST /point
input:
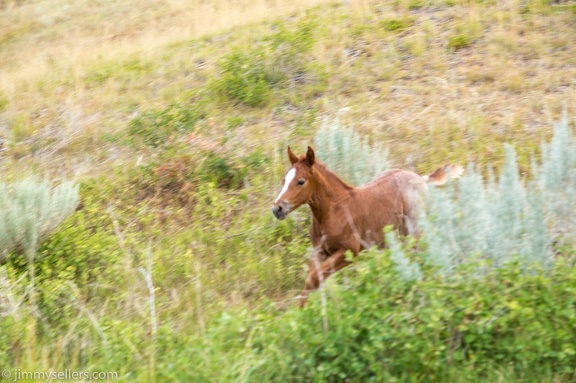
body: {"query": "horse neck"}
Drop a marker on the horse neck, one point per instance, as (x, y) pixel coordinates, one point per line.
(329, 189)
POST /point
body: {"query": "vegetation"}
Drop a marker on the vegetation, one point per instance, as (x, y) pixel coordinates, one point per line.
(508, 220)
(348, 154)
(30, 210)
(174, 117)
(377, 327)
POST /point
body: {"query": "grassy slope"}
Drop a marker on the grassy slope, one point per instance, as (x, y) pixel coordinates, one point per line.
(72, 71)
(434, 81)
(93, 67)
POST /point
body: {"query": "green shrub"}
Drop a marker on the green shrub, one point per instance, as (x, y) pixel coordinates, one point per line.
(157, 128)
(72, 263)
(289, 47)
(225, 171)
(373, 326)
(459, 41)
(176, 173)
(248, 75)
(396, 24)
(30, 210)
(244, 77)
(416, 4)
(218, 170)
(380, 328)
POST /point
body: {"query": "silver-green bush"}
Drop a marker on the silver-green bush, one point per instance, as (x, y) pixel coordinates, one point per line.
(30, 209)
(556, 178)
(508, 220)
(348, 154)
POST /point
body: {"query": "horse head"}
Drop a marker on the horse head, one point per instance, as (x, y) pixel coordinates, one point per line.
(298, 185)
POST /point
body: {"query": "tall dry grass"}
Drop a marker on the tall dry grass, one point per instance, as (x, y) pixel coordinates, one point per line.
(40, 36)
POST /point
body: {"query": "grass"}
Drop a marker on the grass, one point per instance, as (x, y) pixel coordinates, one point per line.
(178, 165)
(405, 70)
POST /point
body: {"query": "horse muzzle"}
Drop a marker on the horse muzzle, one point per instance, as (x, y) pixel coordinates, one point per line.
(281, 210)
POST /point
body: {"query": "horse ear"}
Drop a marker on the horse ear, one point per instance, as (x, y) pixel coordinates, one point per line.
(292, 157)
(310, 157)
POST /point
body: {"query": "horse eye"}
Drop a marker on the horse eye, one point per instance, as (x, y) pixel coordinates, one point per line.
(301, 182)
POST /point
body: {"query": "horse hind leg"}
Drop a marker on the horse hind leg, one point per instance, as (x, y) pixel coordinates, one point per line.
(413, 205)
(411, 226)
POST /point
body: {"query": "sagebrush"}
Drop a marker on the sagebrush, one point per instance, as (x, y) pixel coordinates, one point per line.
(31, 209)
(349, 154)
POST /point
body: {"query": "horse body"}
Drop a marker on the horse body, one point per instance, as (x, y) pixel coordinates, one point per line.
(355, 216)
(347, 218)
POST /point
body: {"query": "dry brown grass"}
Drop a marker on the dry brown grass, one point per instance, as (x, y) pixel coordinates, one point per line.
(38, 35)
(49, 48)
(430, 103)
(73, 71)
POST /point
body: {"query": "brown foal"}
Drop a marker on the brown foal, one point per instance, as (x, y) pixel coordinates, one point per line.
(351, 218)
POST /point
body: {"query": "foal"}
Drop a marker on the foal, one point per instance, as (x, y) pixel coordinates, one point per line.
(351, 218)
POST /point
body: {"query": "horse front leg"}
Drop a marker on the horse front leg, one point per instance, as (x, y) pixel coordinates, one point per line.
(320, 269)
(314, 265)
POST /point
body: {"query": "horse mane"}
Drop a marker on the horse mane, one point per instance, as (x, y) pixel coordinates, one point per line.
(331, 177)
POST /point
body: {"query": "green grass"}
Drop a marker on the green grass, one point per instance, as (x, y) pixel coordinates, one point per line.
(175, 269)
(396, 24)
(458, 42)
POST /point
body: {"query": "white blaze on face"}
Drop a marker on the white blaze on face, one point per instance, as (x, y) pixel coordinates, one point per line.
(287, 180)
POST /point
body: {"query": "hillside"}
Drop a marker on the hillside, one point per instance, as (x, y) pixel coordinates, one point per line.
(432, 81)
(174, 117)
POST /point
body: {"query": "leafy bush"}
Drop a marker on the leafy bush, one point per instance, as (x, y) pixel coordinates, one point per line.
(244, 77)
(219, 170)
(31, 209)
(288, 51)
(459, 41)
(396, 24)
(348, 154)
(415, 4)
(249, 74)
(156, 128)
(185, 168)
(376, 327)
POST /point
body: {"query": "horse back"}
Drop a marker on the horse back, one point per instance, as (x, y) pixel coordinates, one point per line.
(394, 198)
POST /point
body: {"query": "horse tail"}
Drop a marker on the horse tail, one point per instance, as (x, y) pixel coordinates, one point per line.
(441, 175)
